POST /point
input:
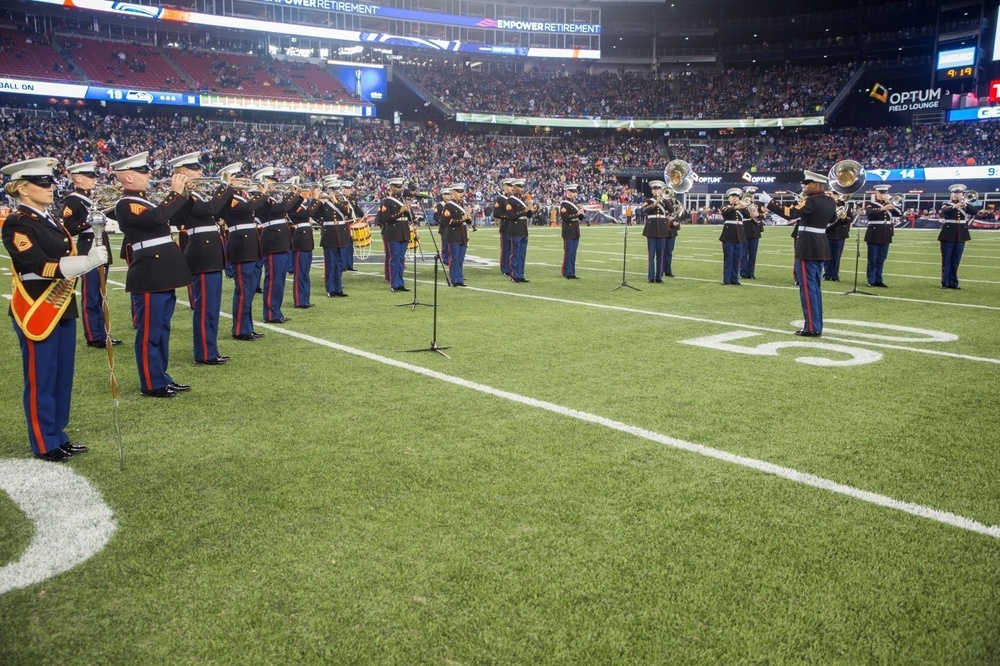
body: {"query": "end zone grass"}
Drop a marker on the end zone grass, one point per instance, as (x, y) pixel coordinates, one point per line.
(303, 504)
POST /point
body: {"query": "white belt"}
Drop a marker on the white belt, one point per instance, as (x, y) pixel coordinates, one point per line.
(813, 230)
(242, 227)
(201, 230)
(151, 243)
(334, 224)
(733, 222)
(655, 217)
(274, 222)
(33, 276)
(871, 222)
(956, 221)
(303, 225)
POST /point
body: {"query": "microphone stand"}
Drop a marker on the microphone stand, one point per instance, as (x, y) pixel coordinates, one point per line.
(434, 347)
(857, 261)
(414, 303)
(624, 257)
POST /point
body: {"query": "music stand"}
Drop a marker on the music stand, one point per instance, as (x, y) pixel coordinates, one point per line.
(857, 261)
(624, 257)
(434, 347)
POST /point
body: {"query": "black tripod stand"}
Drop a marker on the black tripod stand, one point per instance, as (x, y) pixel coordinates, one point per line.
(414, 303)
(857, 263)
(434, 347)
(624, 257)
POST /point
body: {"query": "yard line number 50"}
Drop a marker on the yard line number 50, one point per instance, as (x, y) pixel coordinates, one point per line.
(856, 355)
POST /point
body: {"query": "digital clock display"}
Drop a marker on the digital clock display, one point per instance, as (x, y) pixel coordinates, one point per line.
(958, 73)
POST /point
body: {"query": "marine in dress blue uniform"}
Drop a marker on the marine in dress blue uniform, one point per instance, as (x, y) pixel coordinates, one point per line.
(456, 234)
(43, 305)
(881, 214)
(335, 239)
(303, 244)
(158, 267)
(353, 214)
(954, 234)
(518, 213)
(75, 210)
(438, 217)
(276, 250)
(733, 235)
(243, 251)
(570, 215)
(657, 209)
(205, 255)
(753, 228)
(393, 219)
(814, 214)
(837, 234)
(503, 224)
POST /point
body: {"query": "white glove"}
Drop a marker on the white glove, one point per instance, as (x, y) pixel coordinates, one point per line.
(72, 267)
(98, 254)
(764, 198)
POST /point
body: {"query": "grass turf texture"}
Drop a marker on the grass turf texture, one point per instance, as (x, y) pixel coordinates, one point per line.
(303, 504)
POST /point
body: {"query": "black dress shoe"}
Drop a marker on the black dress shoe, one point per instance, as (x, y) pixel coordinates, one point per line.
(55, 455)
(213, 361)
(164, 392)
(883, 285)
(668, 274)
(178, 388)
(305, 307)
(256, 336)
(808, 334)
(458, 284)
(353, 270)
(649, 281)
(658, 281)
(572, 277)
(101, 344)
(249, 337)
(222, 358)
(73, 449)
(339, 294)
(394, 290)
(279, 320)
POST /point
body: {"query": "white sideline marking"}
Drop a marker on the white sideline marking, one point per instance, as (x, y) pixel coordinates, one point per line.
(788, 473)
(72, 523)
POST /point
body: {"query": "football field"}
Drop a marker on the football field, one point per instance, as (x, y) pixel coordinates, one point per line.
(592, 476)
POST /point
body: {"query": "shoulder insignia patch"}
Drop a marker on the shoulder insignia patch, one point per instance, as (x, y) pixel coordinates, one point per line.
(136, 209)
(66, 212)
(22, 242)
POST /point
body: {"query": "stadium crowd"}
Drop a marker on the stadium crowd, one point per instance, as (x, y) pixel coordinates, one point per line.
(370, 152)
(777, 91)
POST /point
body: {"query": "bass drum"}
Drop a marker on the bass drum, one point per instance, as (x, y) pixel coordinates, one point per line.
(361, 234)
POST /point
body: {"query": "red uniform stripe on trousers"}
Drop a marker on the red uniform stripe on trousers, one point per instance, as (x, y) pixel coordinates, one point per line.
(267, 291)
(238, 315)
(295, 279)
(36, 425)
(562, 269)
(204, 316)
(145, 343)
(804, 286)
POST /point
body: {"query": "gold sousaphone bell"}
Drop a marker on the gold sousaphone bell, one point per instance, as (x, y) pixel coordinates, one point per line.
(847, 177)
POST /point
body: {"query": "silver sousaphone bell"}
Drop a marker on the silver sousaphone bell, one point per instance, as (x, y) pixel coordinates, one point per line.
(679, 176)
(847, 177)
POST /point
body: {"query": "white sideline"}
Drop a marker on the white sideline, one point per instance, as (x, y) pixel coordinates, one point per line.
(768, 468)
(72, 523)
(788, 473)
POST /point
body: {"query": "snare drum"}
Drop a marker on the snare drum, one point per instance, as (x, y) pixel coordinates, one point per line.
(361, 234)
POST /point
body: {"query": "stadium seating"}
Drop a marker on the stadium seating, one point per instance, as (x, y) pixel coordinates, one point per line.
(234, 74)
(35, 60)
(141, 67)
(315, 81)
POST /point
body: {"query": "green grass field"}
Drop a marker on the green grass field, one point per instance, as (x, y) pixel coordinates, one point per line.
(579, 483)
